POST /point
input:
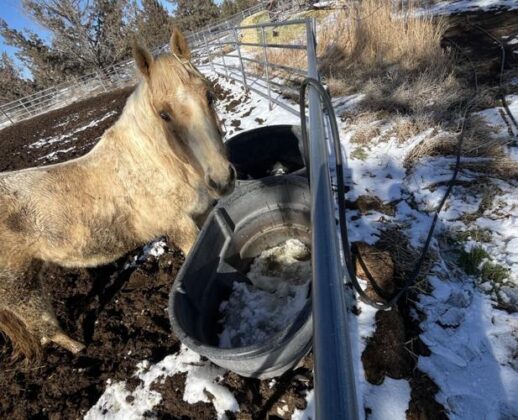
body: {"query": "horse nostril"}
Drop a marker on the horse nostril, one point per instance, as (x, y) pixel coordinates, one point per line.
(211, 183)
(232, 171)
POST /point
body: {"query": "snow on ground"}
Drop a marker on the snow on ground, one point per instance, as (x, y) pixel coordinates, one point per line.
(202, 377)
(473, 344)
(388, 400)
(69, 136)
(54, 155)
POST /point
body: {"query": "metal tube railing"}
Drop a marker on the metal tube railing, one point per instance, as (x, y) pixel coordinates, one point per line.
(335, 383)
(274, 65)
(57, 95)
(253, 44)
(261, 93)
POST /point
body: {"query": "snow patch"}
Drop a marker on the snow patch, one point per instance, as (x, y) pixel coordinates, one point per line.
(202, 380)
(254, 312)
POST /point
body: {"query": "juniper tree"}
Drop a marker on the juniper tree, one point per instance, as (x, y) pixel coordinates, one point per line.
(12, 84)
(153, 23)
(84, 37)
(192, 15)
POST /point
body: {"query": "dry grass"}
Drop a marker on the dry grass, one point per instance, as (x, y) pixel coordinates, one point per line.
(478, 142)
(368, 124)
(501, 167)
(368, 38)
(405, 127)
(397, 61)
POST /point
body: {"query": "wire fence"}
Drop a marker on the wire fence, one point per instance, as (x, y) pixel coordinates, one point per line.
(247, 54)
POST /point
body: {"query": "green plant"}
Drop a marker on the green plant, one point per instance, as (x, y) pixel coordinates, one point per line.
(470, 261)
(493, 272)
(359, 153)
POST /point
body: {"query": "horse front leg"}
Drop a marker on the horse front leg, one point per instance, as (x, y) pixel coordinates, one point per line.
(184, 233)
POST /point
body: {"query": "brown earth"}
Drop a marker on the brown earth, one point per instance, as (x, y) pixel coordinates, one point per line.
(15, 140)
(119, 314)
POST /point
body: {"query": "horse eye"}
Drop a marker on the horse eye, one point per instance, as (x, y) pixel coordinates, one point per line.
(210, 98)
(165, 116)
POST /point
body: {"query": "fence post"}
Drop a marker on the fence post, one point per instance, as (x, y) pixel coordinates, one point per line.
(209, 57)
(266, 66)
(222, 46)
(7, 115)
(335, 381)
(101, 81)
(238, 48)
(29, 113)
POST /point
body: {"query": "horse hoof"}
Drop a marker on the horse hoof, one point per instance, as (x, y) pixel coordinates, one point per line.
(66, 342)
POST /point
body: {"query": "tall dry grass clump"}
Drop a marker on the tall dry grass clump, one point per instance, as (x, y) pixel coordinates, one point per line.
(369, 36)
(395, 59)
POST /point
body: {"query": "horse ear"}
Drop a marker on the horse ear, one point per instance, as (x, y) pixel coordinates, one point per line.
(179, 45)
(143, 59)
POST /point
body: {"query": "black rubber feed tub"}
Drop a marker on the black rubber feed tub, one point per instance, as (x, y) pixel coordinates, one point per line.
(266, 151)
(257, 216)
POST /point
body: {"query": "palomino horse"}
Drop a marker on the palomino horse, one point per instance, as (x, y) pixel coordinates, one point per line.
(155, 171)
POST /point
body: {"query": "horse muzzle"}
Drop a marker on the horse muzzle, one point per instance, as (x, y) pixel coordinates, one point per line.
(222, 188)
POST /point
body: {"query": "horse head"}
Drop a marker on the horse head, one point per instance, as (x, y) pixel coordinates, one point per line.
(182, 102)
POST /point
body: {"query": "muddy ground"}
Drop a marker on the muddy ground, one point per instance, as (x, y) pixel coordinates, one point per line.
(16, 140)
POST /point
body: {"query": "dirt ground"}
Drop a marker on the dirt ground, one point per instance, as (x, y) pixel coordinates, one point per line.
(15, 140)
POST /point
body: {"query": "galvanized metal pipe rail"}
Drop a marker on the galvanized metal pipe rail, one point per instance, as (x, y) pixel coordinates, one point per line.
(335, 380)
(111, 77)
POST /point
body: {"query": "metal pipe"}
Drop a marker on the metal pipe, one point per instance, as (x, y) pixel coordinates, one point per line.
(270, 24)
(263, 41)
(284, 46)
(300, 72)
(7, 115)
(243, 74)
(335, 383)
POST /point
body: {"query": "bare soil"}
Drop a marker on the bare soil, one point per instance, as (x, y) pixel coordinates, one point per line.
(15, 140)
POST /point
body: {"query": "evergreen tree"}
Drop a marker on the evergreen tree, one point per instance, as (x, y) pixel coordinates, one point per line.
(84, 37)
(12, 85)
(228, 8)
(153, 24)
(192, 15)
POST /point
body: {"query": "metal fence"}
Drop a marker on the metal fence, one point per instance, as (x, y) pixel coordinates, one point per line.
(244, 54)
(115, 76)
(65, 93)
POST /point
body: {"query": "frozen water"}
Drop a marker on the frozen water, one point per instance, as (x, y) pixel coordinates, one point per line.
(280, 279)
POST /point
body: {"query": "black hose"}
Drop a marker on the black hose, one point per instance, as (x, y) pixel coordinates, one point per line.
(503, 92)
(410, 280)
